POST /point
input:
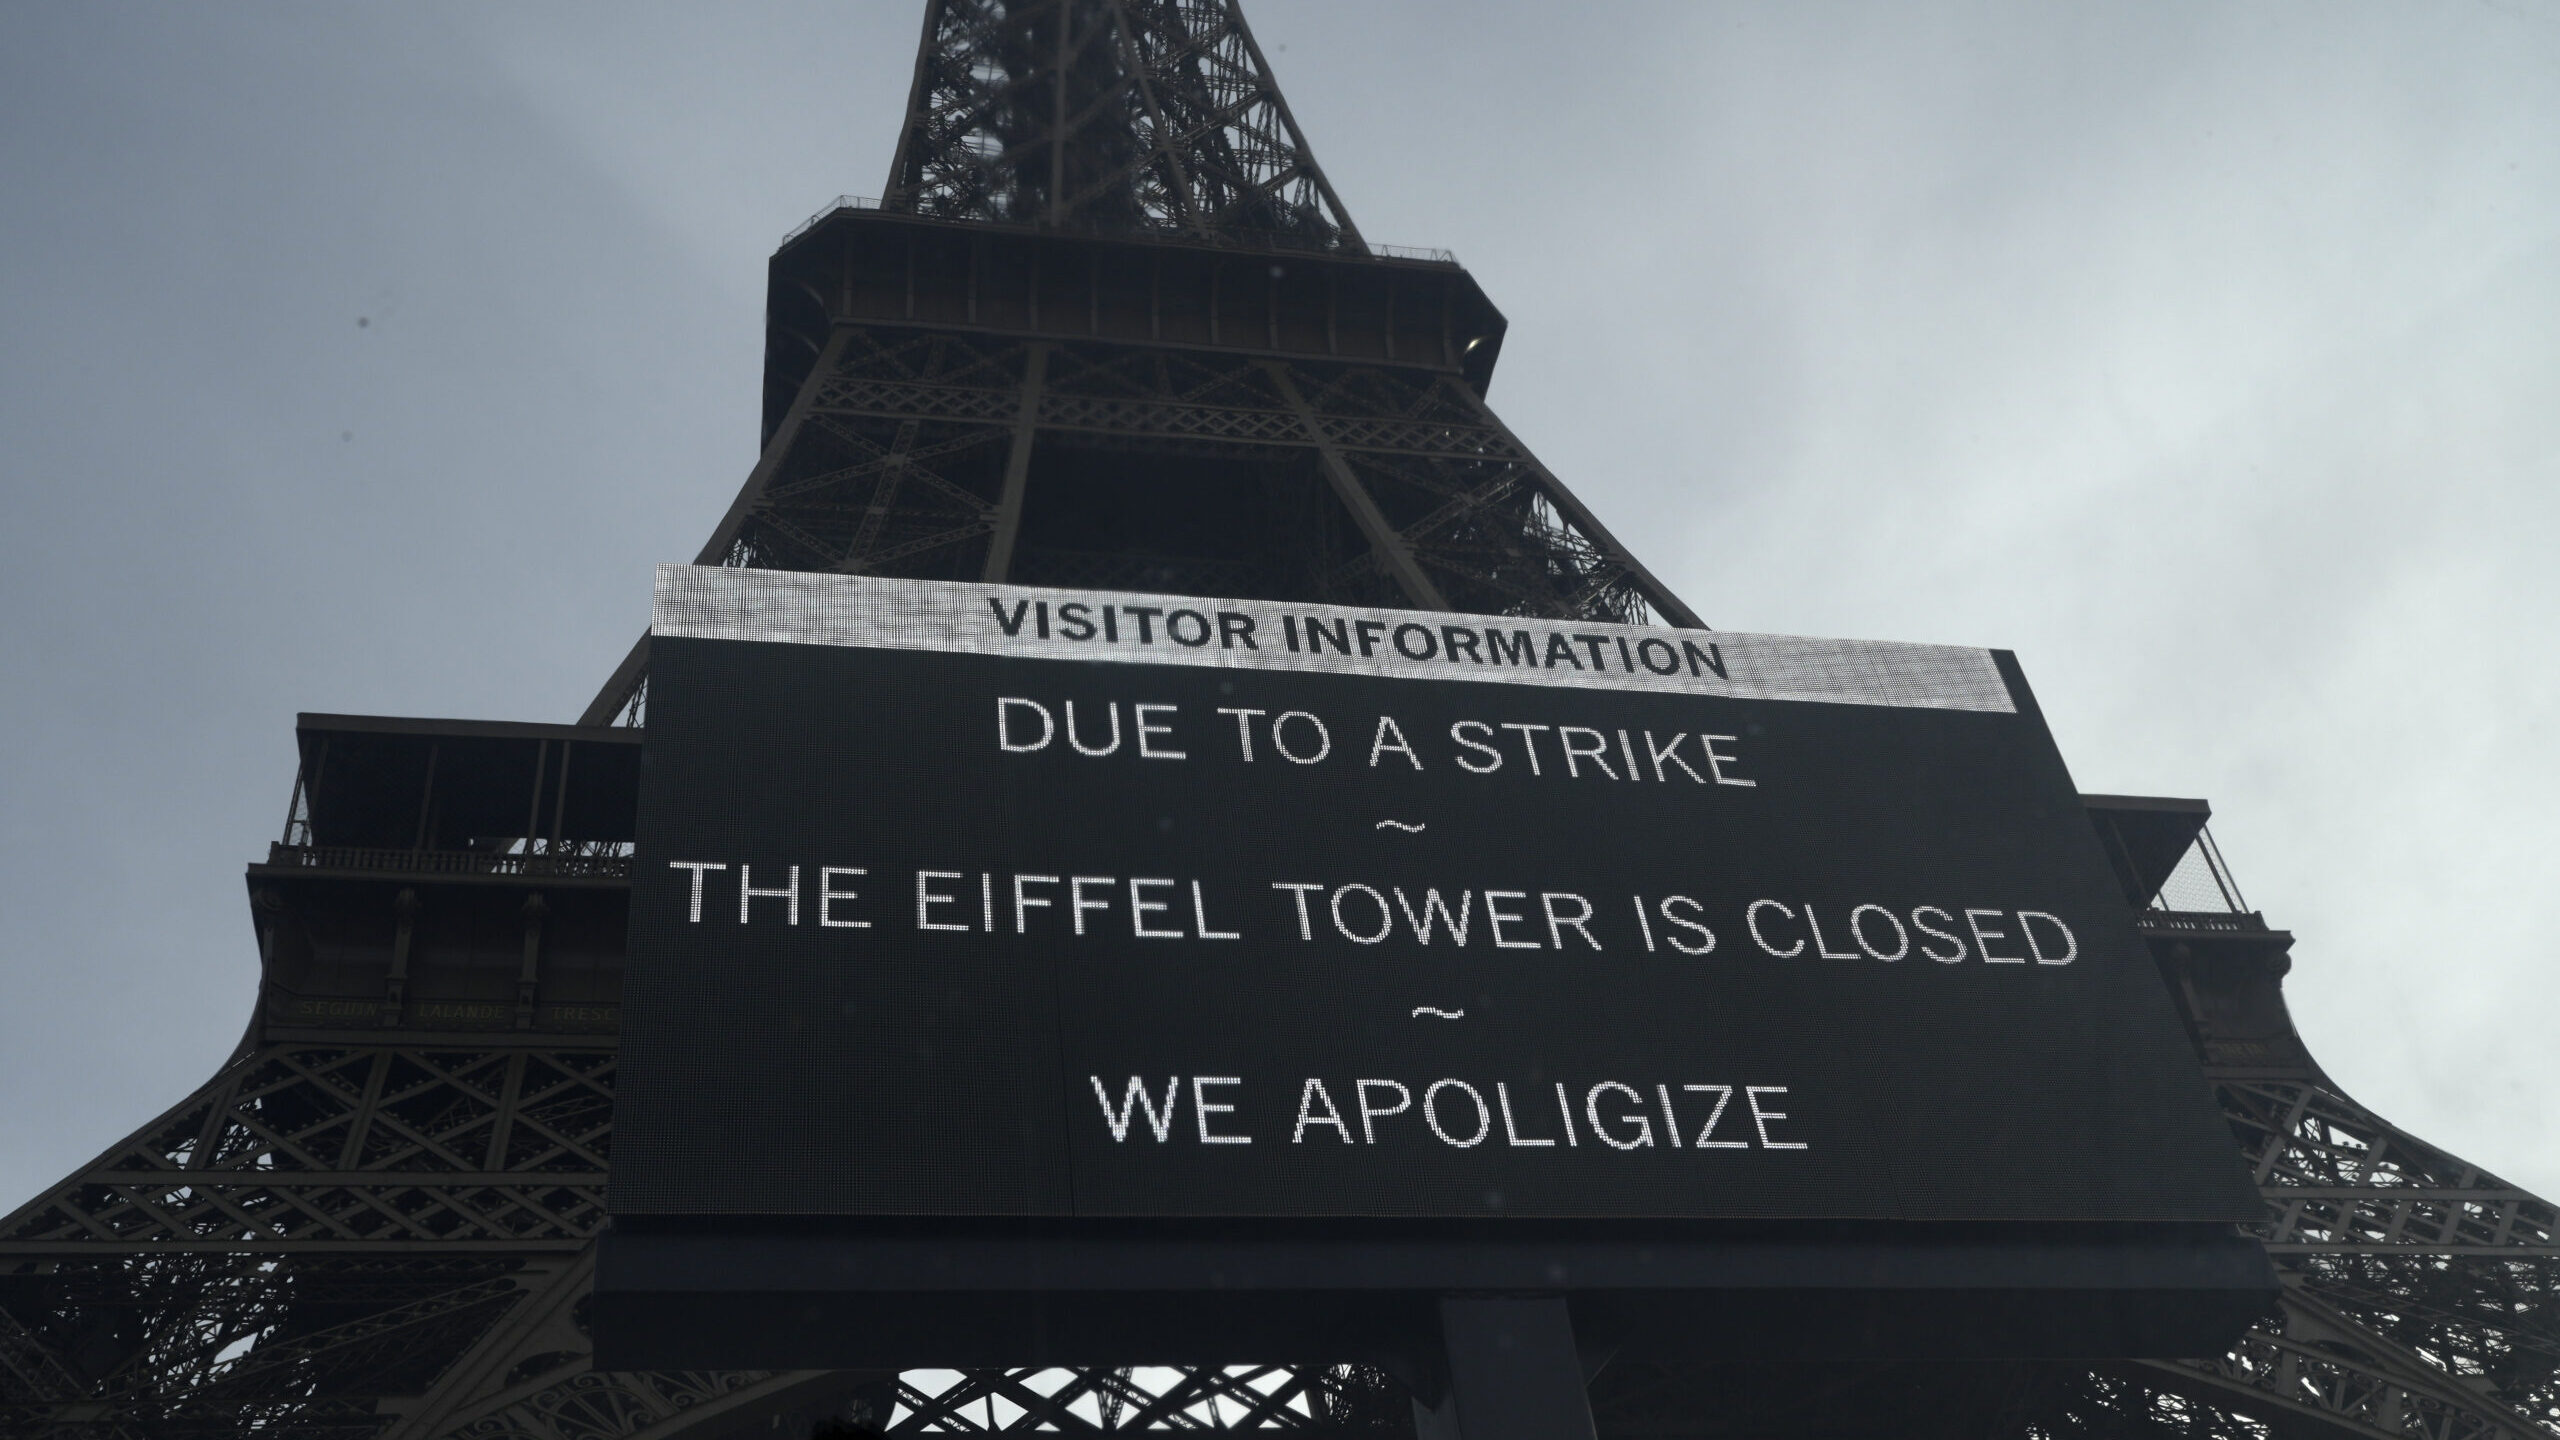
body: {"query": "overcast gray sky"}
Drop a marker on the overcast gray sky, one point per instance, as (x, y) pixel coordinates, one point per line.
(2206, 355)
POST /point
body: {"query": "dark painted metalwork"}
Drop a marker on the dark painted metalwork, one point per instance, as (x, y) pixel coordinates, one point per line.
(1111, 327)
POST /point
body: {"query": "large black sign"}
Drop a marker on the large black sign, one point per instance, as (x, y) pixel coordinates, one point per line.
(982, 900)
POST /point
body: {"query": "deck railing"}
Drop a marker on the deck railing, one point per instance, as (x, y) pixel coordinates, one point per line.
(1239, 240)
(566, 865)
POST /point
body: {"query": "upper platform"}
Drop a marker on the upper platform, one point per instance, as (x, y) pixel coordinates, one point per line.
(1237, 293)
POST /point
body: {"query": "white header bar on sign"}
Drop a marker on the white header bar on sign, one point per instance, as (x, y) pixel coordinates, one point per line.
(798, 607)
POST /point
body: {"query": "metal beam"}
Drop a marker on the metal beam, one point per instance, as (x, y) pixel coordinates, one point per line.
(1017, 464)
(627, 676)
(1656, 594)
(1393, 555)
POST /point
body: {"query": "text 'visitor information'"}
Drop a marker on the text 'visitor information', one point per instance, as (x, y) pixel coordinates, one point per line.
(959, 899)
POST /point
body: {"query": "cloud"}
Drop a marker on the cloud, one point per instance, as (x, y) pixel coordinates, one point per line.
(2200, 354)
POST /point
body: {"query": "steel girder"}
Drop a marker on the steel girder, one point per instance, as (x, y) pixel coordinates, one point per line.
(357, 1239)
(317, 1235)
(893, 466)
(2422, 1294)
(895, 460)
(1338, 1401)
(390, 1236)
(375, 1237)
(1120, 116)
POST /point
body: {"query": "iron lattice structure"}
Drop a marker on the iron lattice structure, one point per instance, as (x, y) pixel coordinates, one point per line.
(877, 477)
(389, 1234)
(1122, 117)
(1111, 327)
(1095, 459)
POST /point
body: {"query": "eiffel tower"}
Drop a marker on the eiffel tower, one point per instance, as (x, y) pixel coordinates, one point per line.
(1109, 326)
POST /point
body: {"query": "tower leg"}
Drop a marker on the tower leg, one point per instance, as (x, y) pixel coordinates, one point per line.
(1514, 1373)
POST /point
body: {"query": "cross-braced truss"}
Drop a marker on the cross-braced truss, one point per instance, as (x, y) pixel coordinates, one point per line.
(375, 1238)
(895, 467)
(1120, 116)
(389, 1235)
(1337, 482)
(1298, 1401)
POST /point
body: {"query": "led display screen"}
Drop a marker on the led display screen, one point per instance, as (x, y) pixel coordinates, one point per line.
(957, 899)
